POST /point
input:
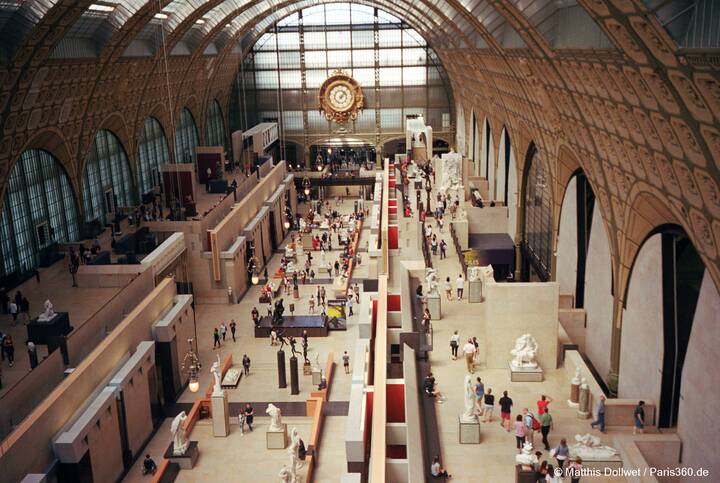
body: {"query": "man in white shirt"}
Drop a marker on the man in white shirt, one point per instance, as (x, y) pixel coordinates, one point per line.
(469, 353)
(460, 284)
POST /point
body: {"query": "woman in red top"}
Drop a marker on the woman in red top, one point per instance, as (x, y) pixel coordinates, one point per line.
(543, 403)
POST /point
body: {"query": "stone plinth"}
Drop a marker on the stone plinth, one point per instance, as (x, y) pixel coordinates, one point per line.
(525, 374)
(461, 230)
(474, 291)
(525, 475)
(316, 377)
(277, 439)
(614, 463)
(187, 460)
(468, 431)
(220, 414)
(433, 305)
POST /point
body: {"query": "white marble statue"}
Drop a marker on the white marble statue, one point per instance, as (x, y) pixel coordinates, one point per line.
(177, 429)
(468, 416)
(431, 281)
(576, 378)
(299, 249)
(451, 179)
(303, 225)
(316, 364)
(474, 273)
(290, 267)
(49, 313)
(524, 352)
(322, 257)
(527, 456)
(217, 376)
(589, 447)
(284, 475)
(295, 463)
(275, 417)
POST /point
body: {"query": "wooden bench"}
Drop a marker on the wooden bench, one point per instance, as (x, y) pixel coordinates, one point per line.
(329, 369)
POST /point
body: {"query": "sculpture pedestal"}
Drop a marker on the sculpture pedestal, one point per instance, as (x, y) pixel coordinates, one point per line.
(524, 475)
(525, 374)
(220, 414)
(475, 291)
(433, 305)
(461, 230)
(614, 462)
(282, 377)
(185, 461)
(316, 376)
(307, 369)
(468, 431)
(277, 439)
(294, 381)
(574, 395)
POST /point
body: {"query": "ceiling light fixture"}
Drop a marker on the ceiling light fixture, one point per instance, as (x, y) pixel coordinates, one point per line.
(161, 16)
(200, 21)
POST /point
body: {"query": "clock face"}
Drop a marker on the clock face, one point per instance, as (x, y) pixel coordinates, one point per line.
(340, 97)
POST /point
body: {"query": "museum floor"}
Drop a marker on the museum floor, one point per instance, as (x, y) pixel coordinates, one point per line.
(244, 458)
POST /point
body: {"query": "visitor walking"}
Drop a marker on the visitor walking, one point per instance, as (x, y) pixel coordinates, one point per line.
(246, 364)
(454, 343)
(489, 406)
(216, 338)
(443, 249)
(469, 353)
(9, 349)
(531, 425)
(13, 309)
(638, 417)
(600, 421)
(448, 289)
(479, 393)
(233, 328)
(506, 404)
(311, 303)
(519, 432)
(546, 424)
(346, 362)
(25, 309)
(249, 414)
(460, 285)
(32, 354)
(223, 330)
(574, 469)
(350, 301)
(543, 404)
(561, 453)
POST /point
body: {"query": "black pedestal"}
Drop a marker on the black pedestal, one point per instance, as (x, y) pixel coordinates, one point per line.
(39, 331)
(282, 378)
(294, 383)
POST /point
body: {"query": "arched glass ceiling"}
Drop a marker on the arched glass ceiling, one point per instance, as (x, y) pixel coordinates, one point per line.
(210, 24)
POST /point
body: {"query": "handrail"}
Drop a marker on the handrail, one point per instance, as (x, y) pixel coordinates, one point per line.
(458, 249)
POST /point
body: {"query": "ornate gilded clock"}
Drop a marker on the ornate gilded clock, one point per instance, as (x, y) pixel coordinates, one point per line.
(340, 98)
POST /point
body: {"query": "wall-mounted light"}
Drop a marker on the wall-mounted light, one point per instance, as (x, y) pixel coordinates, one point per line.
(306, 186)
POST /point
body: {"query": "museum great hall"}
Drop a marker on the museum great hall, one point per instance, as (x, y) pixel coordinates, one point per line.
(377, 241)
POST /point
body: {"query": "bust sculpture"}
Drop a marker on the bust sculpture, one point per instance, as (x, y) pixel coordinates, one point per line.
(217, 376)
(431, 281)
(275, 417)
(524, 352)
(527, 456)
(49, 313)
(589, 447)
(468, 416)
(177, 429)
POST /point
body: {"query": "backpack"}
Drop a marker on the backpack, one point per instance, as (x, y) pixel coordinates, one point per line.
(535, 424)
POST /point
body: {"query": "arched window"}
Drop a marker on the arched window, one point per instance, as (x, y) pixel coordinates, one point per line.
(215, 128)
(153, 151)
(186, 138)
(538, 218)
(39, 209)
(107, 183)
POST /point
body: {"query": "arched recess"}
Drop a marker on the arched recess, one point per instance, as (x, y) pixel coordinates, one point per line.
(460, 138)
(39, 209)
(215, 126)
(513, 190)
(537, 219)
(152, 152)
(487, 166)
(662, 304)
(476, 144)
(107, 181)
(186, 137)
